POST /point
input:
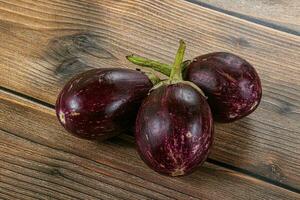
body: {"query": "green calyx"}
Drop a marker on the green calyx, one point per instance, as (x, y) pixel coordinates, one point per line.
(174, 72)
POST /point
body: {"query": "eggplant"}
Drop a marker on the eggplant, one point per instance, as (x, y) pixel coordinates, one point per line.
(101, 103)
(174, 125)
(231, 83)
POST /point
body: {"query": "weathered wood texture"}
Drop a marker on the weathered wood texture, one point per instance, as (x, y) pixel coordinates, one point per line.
(283, 15)
(43, 43)
(38, 159)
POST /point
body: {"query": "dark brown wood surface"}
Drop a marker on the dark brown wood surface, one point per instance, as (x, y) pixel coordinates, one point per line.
(44, 43)
(39, 159)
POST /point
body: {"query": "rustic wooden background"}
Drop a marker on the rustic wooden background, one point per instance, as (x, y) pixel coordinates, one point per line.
(44, 43)
(278, 14)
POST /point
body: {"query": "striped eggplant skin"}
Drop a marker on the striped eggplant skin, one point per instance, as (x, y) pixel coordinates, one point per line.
(174, 129)
(101, 103)
(231, 84)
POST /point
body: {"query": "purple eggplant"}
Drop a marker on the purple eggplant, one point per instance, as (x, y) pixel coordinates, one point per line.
(232, 85)
(101, 103)
(174, 126)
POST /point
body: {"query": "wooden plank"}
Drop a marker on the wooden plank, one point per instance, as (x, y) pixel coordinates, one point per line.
(22, 193)
(6, 195)
(43, 43)
(44, 161)
(282, 15)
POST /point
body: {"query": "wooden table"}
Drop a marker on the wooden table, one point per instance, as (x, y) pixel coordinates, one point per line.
(44, 43)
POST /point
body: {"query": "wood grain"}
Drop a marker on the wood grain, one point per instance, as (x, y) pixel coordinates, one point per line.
(44, 43)
(39, 160)
(279, 14)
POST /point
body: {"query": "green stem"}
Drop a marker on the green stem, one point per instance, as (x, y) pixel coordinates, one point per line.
(157, 66)
(176, 73)
(152, 77)
(145, 62)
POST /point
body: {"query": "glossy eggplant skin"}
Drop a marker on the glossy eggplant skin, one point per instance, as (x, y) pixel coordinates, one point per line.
(101, 103)
(174, 129)
(232, 85)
